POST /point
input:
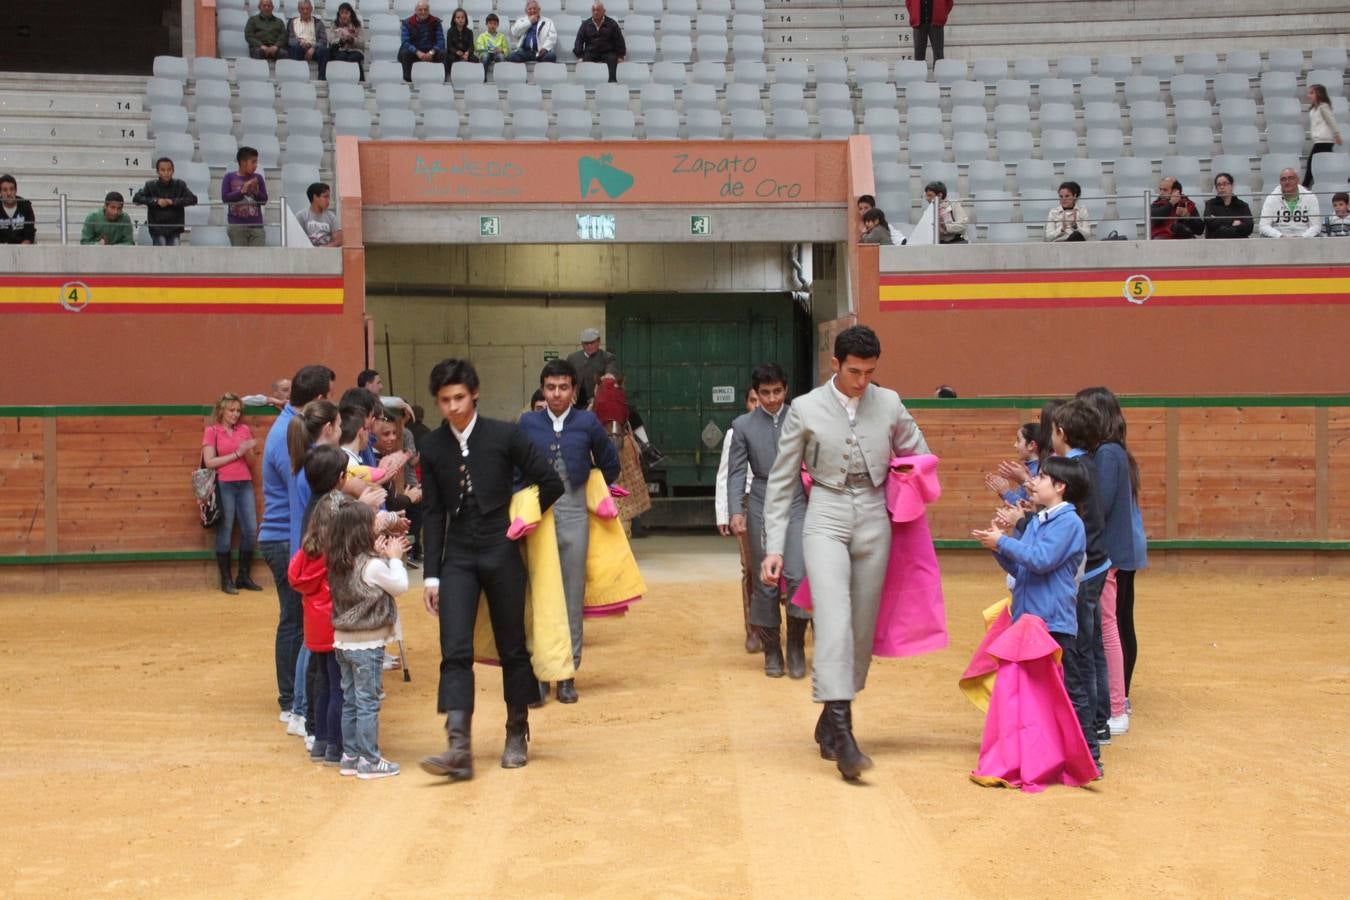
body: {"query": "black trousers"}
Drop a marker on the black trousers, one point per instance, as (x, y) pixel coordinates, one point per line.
(925, 34)
(1077, 689)
(480, 558)
(1321, 147)
(407, 59)
(1129, 641)
(609, 59)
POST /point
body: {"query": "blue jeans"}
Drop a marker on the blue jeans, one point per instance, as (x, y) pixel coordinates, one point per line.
(1080, 659)
(159, 239)
(524, 57)
(290, 623)
(362, 671)
(299, 702)
(236, 505)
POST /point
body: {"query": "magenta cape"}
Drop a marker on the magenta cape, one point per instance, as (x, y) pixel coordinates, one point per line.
(1031, 735)
(911, 618)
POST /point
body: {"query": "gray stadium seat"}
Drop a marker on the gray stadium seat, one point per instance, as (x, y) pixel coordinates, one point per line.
(1036, 204)
(1284, 111)
(906, 70)
(835, 124)
(175, 67)
(1057, 117)
(617, 125)
(703, 125)
(676, 48)
(549, 75)
(487, 125)
(789, 96)
(969, 147)
(304, 121)
(1285, 141)
(1014, 145)
(1284, 59)
(609, 96)
(1195, 140)
(885, 147)
(304, 149)
(1188, 87)
(355, 122)
(746, 96)
(868, 71)
(967, 93)
(1012, 117)
(986, 175)
(791, 125)
(423, 72)
(637, 23)
(258, 120)
(1243, 62)
(1006, 233)
(711, 72)
(748, 125)
(218, 150)
(1142, 87)
(1058, 145)
(393, 96)
(1328, 58)
(1032, 68)
(634, 74)
(268, 147)
(1087, 172)
(923, 93)
(1158, 65)
(1115, 66)
(440, 124)
(298, 95)
(750, 71)
(435, 95)
(1098, 90)
(257, 93)
(714, 47)
(1034, 174)
(829, 95)
(1012, 90)
(671, 73)
(1148, 142)
(1055, 90)
(1200, 63)
(1126, 228)
(209, 67)
(1193, 112)
(830, 71)
(591, 74)
(661, 125)
(346, 96)
(210, 119)
(1102, 115)
(1279, 84)
(178, 145)
(699, 96)
(747, 47)
(505, 74)
(1105, 143)
(965, 119)
(925, 148)
(1133, 176)
(168, 118)
(397, 125)
(382, 71)
(885, 121)
(1232, 86)
(1074, 68)
(656, 96)
(991, 206)
(212, 93)
(251, 70)
(292, 70)
(163, 92)
(990, 70)
(478, 95)
(574, 125)
(947, 70)
(641, 48)
(926, 119)
(1148, 113)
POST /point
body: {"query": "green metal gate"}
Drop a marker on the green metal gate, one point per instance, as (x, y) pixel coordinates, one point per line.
(686, 361)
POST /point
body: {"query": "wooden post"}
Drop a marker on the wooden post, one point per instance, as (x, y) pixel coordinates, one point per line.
(51, 546)
(1173, 476)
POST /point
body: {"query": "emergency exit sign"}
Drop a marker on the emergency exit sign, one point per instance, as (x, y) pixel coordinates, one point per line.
(489, 226)
(700, 226)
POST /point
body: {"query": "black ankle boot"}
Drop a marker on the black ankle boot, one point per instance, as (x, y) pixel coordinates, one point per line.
(243, 579)
(825, 735)
(226, 582)
(457, 761)
(515, 753)
(772, 639)
(850, 760)
(796, 647)
(567, 691)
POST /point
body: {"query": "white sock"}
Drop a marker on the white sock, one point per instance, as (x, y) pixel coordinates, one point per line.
(640, 433)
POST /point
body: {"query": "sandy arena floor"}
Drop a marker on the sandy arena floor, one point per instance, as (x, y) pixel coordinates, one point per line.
(143, 757)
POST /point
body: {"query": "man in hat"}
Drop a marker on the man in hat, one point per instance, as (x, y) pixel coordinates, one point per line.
(593, 361)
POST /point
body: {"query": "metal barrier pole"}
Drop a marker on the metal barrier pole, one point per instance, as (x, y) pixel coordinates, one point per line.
(1148, 222)
(64, 237)
(284, 207)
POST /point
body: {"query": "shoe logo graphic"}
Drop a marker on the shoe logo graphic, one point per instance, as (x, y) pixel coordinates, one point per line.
(592, 170)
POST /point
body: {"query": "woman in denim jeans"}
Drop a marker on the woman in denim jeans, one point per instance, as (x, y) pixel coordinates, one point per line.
(226, 445)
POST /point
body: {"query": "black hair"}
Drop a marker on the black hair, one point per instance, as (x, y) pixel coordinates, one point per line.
(453, 371)
(1031, 433)
(1223, 175)
(1071, 474)
(310, 383)
(946, 392)
(245, 153)
(9, 179)
(536, 397)
(767, 373)
(1080, 424)
(859, 341)
(316, 189)
(337, 17)
(936, 187)
(1341, 196)
(1046, 428)
(558, 368)
(163, 159)
(1176, 184)
(750, 392)
(352, 423)
(367, 375)
(1072, 187)
(418, 413)
(113, 197)
(876, 215)
(1112, 427)
(491, 17)
(868, 199)
(358, 399)
(305, 428)
(324, 466)
(457, 11)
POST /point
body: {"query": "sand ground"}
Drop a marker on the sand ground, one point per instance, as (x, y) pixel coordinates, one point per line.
(143, 757)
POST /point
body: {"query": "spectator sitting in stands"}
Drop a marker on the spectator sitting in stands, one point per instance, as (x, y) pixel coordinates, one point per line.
(280, 396)
(876, 230)
(423, 39)
(17, 224)
(1173, 217)
(166, 197)
(320, 223)
(951, 218)
(1227, 216)
(1291, 210)
(307, 38)
(535, 36)
(246, 192)
(1068, 221)
(866, 202)
(599, 39)
(108, 225)
(1338, 224)
(265, 33)
(491, 45)
(347, 41)
(459, 38)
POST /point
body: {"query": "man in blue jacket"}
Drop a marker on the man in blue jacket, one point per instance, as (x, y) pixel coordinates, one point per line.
(423, 39)
(574, 442)
(276, 534)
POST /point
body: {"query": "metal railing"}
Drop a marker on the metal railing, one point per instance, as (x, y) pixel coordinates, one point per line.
(62, 204)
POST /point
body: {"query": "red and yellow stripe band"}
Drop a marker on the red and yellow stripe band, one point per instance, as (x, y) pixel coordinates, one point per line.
(150, 294)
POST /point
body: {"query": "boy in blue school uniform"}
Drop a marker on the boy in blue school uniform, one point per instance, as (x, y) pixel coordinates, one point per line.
(1047, 563)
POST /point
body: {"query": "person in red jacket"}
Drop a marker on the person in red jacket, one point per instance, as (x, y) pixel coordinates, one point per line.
(927, 18)
(325, 470)
(1173, 216)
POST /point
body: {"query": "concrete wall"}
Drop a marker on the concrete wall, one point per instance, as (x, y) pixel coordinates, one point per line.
(506, 306)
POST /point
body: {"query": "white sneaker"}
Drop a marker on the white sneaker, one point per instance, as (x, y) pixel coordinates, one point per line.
(297, 726)
(367, 770)
(1119, 724)
(309, 742)
(347, 765)
(285, 717)
(392, 662)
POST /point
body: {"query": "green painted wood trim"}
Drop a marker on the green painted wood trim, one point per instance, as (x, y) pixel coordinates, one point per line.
(53, 412)
(39, 559)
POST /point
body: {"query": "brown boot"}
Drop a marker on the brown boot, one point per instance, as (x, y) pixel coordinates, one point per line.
(457, 761)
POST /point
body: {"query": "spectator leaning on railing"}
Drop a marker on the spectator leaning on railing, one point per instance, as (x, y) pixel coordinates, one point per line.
(1291, 210)
(165, 198)
(17, 224)
(108, 225)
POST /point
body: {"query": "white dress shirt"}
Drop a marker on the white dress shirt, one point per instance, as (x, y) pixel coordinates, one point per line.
(850, 404)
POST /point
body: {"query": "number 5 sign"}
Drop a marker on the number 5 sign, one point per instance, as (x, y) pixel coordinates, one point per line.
(75, 295)
(1138, 288)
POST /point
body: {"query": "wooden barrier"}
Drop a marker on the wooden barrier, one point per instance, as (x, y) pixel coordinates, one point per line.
(83, 485)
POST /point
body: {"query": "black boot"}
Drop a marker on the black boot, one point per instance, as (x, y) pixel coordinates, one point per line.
(543, 696)
(243, 579)
(796, 647)
(651, 457)
(772, 640)
(226, 582)
(457, 761)
(567, 691)
(850, 760)
(517, 737)
(825, 735)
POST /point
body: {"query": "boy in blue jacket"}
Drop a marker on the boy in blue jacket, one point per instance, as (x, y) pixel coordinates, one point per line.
(1047, 561)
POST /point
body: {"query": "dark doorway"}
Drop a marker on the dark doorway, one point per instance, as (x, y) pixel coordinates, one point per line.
(91, 37)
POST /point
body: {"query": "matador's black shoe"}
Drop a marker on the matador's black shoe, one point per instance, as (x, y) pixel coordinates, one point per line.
(515, 754)
(456, 762)
(851, 761)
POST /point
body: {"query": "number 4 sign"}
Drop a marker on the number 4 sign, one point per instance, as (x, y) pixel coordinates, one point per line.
(75, 295)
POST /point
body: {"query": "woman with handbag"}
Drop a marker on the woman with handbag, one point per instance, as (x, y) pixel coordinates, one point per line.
(225, 446)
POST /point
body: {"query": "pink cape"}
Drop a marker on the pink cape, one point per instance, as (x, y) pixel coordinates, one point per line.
(911, 618)
(1031, 734)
